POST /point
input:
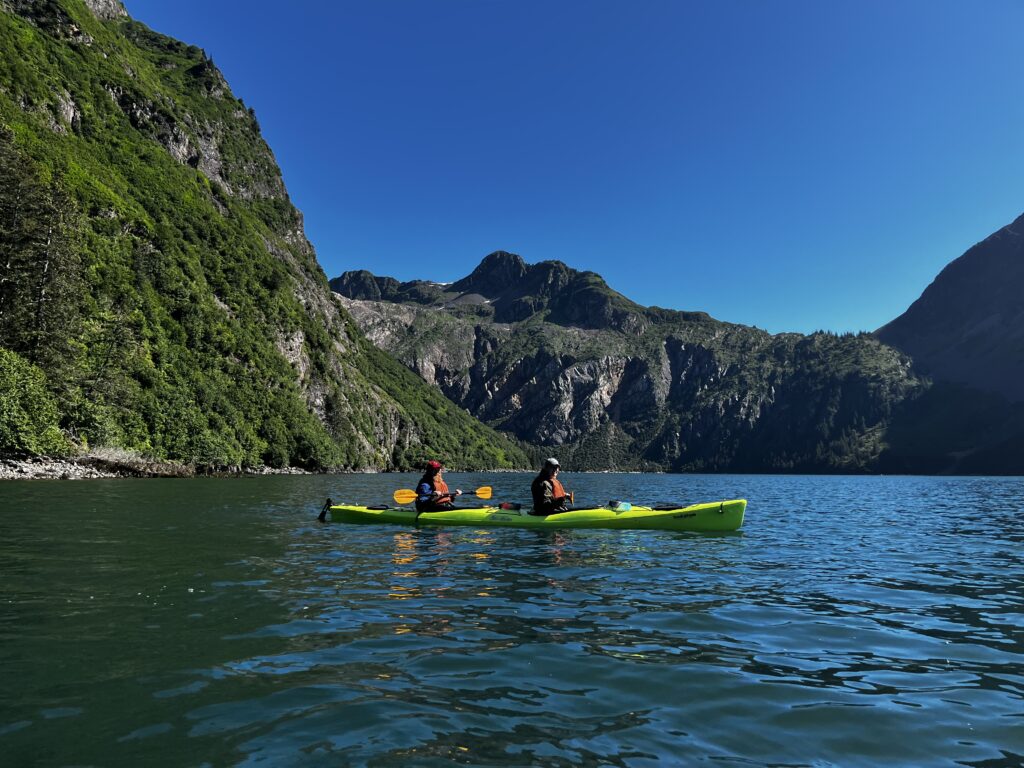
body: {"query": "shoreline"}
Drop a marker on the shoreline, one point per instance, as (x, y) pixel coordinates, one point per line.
(99, 466)
(114, 463)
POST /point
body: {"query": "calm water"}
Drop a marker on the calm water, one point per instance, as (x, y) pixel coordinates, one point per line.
(853, 621)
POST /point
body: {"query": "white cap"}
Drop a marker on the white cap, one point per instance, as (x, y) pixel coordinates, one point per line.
(553, 462)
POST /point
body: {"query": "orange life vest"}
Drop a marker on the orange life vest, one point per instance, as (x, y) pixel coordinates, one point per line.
(441, 488)
(557, 491)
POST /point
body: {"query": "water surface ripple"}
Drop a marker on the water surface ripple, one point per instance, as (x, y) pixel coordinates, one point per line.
(853, 621)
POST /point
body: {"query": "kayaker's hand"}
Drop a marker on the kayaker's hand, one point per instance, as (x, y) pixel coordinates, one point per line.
(458, 492)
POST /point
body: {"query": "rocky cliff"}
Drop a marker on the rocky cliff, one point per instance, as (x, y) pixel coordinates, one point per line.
(158, 278)
(968, 325)
(558, 359)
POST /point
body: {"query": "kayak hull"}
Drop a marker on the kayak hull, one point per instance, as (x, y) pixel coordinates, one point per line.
(715, 516)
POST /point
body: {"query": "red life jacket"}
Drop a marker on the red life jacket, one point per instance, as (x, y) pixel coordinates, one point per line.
(430, 501)
(542, 504)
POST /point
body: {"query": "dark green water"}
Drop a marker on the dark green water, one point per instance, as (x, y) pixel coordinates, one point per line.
(854, 621)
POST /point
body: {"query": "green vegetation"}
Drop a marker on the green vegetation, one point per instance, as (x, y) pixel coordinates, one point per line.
(28, 413)
(156, 273)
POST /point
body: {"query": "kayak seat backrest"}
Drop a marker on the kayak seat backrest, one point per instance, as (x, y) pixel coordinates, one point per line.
(379, 506)
(666, 506)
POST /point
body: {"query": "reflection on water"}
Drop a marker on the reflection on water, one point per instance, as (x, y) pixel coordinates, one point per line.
(854, 621)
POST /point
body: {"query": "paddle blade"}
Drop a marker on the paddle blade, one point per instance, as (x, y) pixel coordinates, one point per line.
(404, 496)
(484, 492)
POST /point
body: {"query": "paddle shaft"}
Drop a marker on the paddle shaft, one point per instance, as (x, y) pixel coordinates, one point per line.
(407, 495)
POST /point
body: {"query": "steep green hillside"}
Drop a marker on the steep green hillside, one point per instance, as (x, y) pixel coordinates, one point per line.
(156, 272)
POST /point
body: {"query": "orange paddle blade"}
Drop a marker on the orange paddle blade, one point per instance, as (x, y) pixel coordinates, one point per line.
(484, 492)
(404, 496)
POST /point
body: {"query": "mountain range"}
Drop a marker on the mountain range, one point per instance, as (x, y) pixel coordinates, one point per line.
(564, 363)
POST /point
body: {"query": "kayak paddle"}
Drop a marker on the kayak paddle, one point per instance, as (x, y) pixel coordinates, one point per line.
(323, 511)
(407, 496)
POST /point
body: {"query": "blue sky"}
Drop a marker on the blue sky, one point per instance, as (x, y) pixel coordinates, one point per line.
(791, 165)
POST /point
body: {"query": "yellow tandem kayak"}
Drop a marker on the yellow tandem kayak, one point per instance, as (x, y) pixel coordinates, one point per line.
(712, 516)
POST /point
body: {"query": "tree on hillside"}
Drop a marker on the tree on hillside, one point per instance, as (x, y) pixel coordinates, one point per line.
(40, 266)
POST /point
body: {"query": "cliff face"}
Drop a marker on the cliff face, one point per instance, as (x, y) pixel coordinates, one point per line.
(157, 273)
(558, 359)
(968, 325)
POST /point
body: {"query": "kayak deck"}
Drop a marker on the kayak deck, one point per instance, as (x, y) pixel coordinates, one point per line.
(713, 516)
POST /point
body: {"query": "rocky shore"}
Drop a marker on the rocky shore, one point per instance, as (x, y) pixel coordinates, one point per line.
(95, 466)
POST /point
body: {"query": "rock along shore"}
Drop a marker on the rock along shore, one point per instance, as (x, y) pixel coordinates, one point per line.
(89, 467)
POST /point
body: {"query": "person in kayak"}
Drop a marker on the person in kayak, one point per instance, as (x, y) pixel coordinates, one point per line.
(432, 494)
(549, 497)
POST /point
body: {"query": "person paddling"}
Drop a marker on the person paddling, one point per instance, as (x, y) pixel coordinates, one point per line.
(549, 496)
(432, 494)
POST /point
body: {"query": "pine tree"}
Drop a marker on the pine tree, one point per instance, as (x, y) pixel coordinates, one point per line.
(40, 266)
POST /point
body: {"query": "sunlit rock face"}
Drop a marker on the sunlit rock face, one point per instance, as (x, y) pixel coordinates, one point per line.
(555, 357)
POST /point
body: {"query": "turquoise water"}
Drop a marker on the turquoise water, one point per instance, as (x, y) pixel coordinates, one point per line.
(853, 621)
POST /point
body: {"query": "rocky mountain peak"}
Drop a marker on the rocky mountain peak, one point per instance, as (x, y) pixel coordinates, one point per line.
(494, 275)
(364, 285)
(968, 325)
(512, 289)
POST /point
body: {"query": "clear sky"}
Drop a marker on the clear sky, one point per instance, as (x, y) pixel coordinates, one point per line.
(793, 165)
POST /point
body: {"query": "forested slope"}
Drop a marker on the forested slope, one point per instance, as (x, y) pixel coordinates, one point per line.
(157, 290)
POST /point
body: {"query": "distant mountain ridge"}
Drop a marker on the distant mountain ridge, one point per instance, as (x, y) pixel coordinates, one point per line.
(564, 363)
(555, 357)
(514, 290)
(968, 325)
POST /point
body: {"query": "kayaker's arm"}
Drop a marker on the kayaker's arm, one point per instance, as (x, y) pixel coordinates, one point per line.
(426, 493)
